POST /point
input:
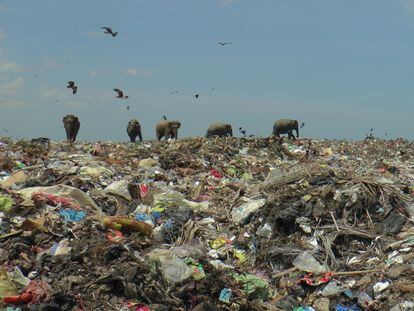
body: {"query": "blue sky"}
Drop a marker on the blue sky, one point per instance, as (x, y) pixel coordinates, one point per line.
(341, 67)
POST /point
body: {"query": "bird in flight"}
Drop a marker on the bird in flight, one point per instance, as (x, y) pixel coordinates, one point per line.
(71, 85)
(109, 31)
(242, 131)
(224, 43)
(164, 117)
(128, 107)
(197, 95)
(302, 125)
(121, 94)
(174, 92)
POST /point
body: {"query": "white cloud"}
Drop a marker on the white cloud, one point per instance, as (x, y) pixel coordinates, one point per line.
(3, 8)
(93, 73)
(6, 66)
(12, 87)
(131, 72)
(11, 103)
(226, 2)
(148, 73)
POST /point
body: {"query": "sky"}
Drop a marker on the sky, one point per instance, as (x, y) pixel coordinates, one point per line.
(341, 67)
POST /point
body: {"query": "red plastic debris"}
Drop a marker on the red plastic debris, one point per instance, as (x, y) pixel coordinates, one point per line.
(215, 173)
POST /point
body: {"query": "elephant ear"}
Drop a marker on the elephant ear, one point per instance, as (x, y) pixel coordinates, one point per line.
(64, 119)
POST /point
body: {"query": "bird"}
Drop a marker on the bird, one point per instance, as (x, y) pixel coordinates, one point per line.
(196, 95)
(174, 92)
(164, 117)
(372, 129)
(35, 76)
(242, 131)
(109, 31)
(71, 85)
(213, 88)
(128, 107)
(224, 43)
(302, 125)
(121, 94)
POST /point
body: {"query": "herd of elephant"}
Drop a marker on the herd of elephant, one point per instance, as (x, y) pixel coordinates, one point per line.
(169, 129)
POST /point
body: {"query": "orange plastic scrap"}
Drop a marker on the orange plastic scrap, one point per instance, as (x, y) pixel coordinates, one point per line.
(115, 236)
(35, 292)
(126, 224)
(54, 200)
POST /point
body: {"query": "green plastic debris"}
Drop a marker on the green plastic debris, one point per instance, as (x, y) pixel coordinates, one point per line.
(254, 286)
(6, 203)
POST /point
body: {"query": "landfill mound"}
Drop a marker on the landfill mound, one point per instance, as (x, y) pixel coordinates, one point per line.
(207, 224)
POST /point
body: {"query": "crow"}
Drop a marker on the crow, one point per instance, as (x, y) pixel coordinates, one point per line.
(120, 94)
(109, 31)
(224, 43)
(71, 85)
(302, 125)
(196, 95)
(164, 117)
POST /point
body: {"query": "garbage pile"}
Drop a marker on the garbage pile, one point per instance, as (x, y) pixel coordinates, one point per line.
(207, 224)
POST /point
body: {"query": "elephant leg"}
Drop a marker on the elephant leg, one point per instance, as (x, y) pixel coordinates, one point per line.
(290, 135)
(140, 136)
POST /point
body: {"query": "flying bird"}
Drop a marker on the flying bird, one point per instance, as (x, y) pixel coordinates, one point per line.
(109, 31)
(302, 125)
(121, 94)
(174, 92)
(196, 95)
(71, 85)
(242, 131)
(224, 43)
(128, 107)
(164, 117)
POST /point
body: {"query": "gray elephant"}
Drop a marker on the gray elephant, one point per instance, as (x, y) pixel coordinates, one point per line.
(220, 130)
(167, 129)
(134, 130)
(286, 126)
(72, 125)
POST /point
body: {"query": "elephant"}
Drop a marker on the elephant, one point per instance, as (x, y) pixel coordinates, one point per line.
(167, 129)
(286, 126)
(220, 130)
(72, 125)
(134, 130)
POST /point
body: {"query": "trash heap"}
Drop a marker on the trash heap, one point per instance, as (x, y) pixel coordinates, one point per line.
(207, 224)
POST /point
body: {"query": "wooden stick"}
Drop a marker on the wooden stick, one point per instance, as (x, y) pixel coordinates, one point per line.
(288, 271)
(339, 273)
(334, 220)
